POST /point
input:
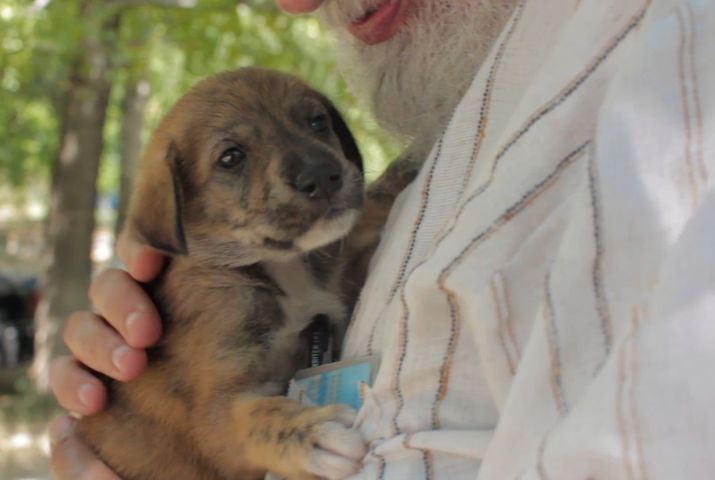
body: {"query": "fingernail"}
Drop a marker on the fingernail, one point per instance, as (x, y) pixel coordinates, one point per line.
(133, 319)
(117, 355)
(59, 428)
(84, 392)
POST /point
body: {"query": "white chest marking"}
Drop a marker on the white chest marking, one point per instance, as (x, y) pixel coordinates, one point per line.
(303, 299)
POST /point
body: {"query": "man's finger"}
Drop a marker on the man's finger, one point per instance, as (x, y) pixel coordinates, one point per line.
(143, 263)
(76, 389)
(124, 304)
(101, 348)
(71, 459)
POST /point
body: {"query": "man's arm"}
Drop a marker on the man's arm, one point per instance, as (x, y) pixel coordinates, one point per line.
(647, 412)
(657, 385)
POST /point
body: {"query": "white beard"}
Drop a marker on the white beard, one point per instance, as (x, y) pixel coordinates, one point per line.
(413, 81)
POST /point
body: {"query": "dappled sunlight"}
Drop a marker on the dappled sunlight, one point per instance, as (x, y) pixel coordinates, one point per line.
(24, 454)
(102, 246)
(24, 417)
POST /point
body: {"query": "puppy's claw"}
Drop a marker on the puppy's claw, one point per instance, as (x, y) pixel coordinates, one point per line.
(324, 464)
(338, 452)
(339, 440)
(345, 415)
(329, 449)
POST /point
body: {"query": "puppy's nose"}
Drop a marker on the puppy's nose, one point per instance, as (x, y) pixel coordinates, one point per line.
(319, 182)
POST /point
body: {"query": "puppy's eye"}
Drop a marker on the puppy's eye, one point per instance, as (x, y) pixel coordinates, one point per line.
(319, 123)
(231, 158)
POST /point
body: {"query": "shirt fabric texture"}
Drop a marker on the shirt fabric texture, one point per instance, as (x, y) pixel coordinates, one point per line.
(543, 300)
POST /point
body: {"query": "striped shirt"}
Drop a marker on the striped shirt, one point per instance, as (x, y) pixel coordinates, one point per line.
(543, 299)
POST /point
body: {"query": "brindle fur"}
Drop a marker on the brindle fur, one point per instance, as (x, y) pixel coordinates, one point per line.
(252, 261)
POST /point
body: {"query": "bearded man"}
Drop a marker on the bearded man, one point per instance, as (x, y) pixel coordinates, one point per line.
(542, 300)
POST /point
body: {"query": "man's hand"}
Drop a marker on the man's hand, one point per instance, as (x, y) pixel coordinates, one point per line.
(72, 459)
(111, 341)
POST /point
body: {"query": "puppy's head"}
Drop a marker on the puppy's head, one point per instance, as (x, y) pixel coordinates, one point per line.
(249, 165)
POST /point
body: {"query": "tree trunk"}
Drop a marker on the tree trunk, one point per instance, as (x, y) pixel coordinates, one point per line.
(70, 224)
(134, 103)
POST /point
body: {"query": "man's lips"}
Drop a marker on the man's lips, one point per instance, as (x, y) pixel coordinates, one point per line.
(380, 24)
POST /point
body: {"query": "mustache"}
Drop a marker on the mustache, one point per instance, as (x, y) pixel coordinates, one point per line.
(338, 13)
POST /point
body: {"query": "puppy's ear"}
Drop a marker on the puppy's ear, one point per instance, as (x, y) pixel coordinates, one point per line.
(155, 210)
(347, 142)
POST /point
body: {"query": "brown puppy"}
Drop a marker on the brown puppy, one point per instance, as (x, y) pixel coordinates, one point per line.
(248, 183)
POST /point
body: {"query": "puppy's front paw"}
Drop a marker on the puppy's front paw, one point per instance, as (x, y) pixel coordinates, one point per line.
(336, 450)
(279, 435)
(321, 444)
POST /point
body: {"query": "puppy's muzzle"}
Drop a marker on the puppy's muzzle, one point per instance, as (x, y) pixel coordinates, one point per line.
(317, 178)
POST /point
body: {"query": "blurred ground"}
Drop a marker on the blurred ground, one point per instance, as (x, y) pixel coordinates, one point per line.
(24, 415)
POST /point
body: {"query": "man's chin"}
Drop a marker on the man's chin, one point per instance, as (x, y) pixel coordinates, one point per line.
(413, 81)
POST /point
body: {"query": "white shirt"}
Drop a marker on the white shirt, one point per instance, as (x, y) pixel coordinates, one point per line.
(543, 301)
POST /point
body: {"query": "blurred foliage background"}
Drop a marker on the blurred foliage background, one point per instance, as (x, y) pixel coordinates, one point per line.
(82, 84)
(171, 48)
